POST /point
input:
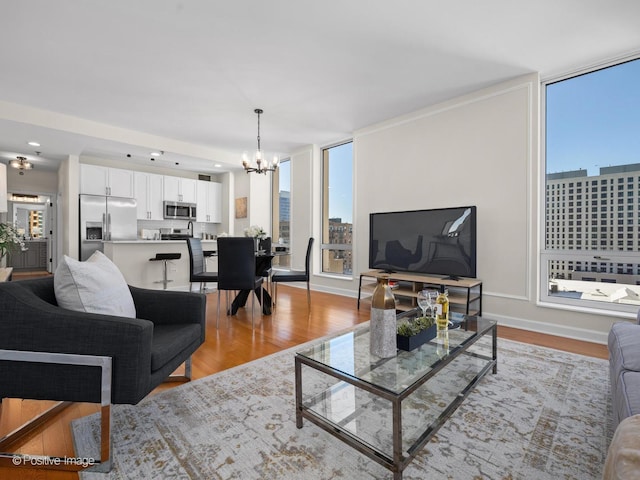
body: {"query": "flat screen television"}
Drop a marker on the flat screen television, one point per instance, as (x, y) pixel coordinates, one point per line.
(440, 241)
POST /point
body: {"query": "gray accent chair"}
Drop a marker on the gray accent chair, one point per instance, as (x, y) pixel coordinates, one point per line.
(50, 353)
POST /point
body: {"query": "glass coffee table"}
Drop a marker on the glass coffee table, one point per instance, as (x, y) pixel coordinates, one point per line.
(389, 408)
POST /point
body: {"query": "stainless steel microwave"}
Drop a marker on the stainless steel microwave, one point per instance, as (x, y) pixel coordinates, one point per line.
(180, 210)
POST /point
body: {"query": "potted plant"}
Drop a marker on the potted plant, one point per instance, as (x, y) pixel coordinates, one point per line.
(255, 231)
(411, 334)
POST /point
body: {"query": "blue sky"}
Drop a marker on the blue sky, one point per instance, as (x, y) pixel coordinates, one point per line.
(284, 170)
(340, 181)
(593, 120)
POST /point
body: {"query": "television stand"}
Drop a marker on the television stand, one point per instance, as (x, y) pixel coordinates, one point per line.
(465, 294)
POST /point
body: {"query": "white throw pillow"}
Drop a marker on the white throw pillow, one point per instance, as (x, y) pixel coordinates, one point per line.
(94, 286)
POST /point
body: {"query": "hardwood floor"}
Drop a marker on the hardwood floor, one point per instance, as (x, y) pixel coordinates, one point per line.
(232, 344)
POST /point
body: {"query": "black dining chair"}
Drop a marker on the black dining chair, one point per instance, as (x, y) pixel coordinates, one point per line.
(237, 269)
(264, 245)
(294, 276)
(197, 271)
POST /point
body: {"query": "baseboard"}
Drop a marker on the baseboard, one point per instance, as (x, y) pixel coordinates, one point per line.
(326, 289)
(550, 329)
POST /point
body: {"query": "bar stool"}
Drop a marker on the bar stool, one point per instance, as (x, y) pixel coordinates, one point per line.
(165, 257)
(207, 254)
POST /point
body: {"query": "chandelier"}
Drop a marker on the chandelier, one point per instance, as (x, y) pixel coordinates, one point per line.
(264, 165)
(21, 163)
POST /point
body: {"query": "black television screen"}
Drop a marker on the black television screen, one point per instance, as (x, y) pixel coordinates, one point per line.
(439, 241)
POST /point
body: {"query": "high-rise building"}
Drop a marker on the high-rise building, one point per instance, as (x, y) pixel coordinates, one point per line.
(594, 213)
(284, 225)
(285, 205)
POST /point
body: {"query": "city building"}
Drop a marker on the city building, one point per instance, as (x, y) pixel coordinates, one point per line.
(341, 233)
(594, 213)
(284, 208)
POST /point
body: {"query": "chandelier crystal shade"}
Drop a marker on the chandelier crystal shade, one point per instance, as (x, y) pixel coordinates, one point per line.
(21, 163)
(263, 165)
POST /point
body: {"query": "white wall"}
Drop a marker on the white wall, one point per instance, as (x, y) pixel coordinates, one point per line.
(259, 202)
(228, 206)
(302, 209)
(472, 152)
(3, 187)
(241, 187)
(33, 181)
(68, 215)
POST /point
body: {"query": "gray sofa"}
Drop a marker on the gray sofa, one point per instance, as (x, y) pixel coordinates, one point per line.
(624, 365)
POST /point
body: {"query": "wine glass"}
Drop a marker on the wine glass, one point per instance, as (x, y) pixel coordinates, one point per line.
(425, 301)
(431, 296)
(428, 298)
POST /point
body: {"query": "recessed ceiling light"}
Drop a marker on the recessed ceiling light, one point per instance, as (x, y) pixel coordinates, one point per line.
(33, 144)
(155, 154)
(217, 165)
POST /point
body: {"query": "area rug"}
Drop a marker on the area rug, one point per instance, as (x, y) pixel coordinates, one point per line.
(544, 416)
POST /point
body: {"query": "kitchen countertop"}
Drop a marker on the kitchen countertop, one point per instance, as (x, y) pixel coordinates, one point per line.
(132, 257)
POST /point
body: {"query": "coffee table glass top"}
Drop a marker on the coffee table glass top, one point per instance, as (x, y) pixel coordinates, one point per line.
(349, 354)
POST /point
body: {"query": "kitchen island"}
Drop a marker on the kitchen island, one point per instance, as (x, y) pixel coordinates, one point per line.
(132, 258)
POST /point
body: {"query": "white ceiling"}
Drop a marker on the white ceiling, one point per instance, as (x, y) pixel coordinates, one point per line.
(107, 78)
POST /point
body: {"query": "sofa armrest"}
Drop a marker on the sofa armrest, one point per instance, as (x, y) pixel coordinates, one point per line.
(169, 307)
(624, 346)
(623, 458)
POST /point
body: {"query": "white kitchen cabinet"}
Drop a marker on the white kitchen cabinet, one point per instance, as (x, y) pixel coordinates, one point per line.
(149, 195)
(93, 179)
(99, 180)
(209, 206)
(178, 189)
(188, 188)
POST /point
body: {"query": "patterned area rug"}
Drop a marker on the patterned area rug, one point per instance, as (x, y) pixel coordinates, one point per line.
(544, 416)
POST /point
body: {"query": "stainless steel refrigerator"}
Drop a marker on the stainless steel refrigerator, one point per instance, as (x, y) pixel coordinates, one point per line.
(105, 219)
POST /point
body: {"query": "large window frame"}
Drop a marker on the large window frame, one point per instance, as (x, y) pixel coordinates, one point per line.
(336, 253)
(281, 227)
(572, 233)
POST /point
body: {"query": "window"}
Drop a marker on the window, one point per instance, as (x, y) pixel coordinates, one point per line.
(281, 213)
(591, 129)
(337, 209)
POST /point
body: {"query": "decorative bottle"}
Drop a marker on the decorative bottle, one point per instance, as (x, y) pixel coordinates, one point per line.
(382, 330)
(442, 343)
(442, 309)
